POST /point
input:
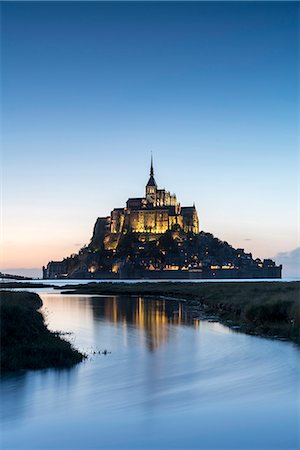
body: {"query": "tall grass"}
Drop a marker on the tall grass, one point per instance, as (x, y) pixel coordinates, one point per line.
(26, 342)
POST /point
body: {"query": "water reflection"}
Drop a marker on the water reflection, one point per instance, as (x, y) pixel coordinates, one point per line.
(13, 391)
(150, 315)
(16, 390)
(167, 383)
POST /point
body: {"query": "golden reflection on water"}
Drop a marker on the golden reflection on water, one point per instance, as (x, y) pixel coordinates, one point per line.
(152, 316)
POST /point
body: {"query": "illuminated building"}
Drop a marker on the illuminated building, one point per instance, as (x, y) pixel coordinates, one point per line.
(155, 237)
(155, 213)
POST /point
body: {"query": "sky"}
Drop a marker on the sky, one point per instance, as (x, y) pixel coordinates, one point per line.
(90, 89)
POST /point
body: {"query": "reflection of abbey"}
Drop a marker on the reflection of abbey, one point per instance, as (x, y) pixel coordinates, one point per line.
(157, 212)
(155, 237)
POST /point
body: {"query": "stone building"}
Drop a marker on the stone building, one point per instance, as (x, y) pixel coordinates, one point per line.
(155, 213)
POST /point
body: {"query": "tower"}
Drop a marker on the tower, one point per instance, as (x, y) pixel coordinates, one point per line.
(151, 186)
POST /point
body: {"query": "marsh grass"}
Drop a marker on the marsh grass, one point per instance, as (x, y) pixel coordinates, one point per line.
(26, 342)
(262, 308)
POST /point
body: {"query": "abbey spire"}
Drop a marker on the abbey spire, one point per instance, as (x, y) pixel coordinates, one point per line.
(151, 186)
(151, 167)
(151, 182)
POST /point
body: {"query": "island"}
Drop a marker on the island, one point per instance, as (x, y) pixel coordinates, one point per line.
(154, 237)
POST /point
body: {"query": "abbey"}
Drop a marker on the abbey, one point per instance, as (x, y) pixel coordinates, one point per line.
(157, 212)
(155, 237)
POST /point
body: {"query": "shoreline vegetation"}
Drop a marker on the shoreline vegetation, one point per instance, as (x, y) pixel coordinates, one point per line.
(266, 309)
(26, 342)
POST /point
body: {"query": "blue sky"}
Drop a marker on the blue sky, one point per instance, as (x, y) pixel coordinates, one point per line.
(89, 89)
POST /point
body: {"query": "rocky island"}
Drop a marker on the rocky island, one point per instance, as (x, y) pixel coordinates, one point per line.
(154, 237)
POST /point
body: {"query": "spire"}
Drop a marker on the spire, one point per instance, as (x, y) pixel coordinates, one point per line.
(151, 167)
(151, 182)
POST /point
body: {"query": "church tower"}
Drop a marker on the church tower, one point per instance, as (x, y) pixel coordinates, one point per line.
(151, 187)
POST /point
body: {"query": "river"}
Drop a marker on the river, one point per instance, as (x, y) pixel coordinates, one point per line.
(167, 382)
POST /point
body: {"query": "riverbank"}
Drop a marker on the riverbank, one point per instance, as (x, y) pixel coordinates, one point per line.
(26, 342)
(268, 309)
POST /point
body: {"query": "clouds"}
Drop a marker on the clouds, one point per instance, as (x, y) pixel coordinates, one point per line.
(290, 262)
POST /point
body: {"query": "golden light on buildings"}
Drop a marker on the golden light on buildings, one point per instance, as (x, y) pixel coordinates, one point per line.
(156, 213)
(115, 268)
(171, 267)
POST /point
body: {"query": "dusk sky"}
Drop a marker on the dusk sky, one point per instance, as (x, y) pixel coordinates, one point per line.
(90, 89)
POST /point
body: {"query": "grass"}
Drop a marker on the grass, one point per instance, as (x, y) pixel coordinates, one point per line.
(270, 309)
(26, 342)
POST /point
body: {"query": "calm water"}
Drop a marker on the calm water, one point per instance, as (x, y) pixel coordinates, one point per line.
(169, 382)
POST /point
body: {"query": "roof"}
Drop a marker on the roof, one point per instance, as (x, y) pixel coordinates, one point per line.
(151, 182)
(188, 209)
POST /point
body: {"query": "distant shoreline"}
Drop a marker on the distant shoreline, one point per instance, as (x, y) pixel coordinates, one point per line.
(266, 309)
